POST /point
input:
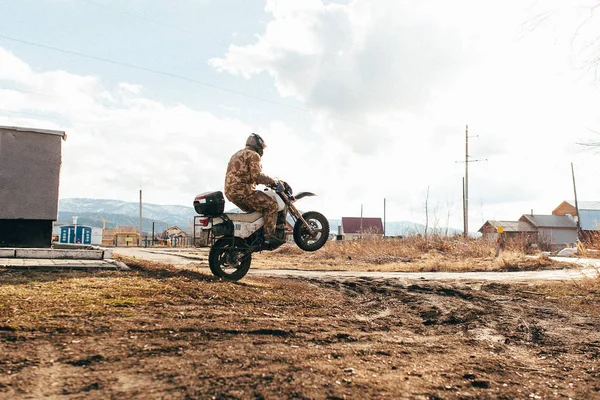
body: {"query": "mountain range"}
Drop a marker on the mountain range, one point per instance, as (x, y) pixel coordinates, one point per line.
(117, 213)
(93, 212)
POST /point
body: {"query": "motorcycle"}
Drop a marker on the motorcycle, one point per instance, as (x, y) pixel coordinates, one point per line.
(237, 235)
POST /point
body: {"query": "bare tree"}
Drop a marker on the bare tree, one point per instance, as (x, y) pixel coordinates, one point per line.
(426, 214)
(595, 145)
(584, 35)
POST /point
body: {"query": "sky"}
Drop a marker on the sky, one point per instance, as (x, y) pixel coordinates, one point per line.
(357, 100)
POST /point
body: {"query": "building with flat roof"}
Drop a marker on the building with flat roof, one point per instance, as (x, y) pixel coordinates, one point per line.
(30, 162)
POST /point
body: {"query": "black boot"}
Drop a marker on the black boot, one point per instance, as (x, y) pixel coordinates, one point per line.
(272, 242)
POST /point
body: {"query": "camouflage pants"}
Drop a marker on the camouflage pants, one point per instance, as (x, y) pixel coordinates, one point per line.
(261, 202)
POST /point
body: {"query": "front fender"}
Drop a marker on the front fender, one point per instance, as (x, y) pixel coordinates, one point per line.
(304, 194)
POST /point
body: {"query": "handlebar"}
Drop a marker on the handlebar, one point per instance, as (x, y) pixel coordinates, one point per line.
(279, 186)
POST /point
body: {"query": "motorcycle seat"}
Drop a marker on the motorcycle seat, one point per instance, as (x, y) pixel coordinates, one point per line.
(244, 217)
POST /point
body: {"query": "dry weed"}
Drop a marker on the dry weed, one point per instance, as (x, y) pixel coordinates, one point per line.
(288, 249)
(581, 295)
(592, 244)
(380, 251)
(512, 261)
(413, 253)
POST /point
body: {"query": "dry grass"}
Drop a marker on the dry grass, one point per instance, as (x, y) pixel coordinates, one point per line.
(581, 295)
(381, 251)
(592, 245)
(163, 332)
(593, 241)
(28, 299)
(414, 253)
(52, 300)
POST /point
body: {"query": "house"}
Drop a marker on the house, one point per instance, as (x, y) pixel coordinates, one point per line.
(511, 229)
(353, 228)
(176, 237)
(121, 236)
(589, 214)
(30, 162)
(553, 231)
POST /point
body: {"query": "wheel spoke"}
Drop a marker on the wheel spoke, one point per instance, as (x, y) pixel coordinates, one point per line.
(313, 234)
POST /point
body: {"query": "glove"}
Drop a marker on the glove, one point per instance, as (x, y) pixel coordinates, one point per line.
(279, 186)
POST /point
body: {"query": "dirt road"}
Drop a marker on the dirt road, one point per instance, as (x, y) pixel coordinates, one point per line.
(197, 260)
(173, 333)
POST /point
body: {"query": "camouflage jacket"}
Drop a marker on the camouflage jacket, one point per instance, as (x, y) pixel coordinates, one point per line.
(244, 172)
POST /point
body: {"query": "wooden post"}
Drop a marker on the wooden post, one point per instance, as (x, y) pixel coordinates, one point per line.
(500, 241)
(466, 210)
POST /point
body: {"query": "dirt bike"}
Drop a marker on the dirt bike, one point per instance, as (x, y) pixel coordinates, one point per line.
(237, 235)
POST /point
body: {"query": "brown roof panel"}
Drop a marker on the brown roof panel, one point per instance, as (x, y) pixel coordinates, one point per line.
(549, 221)
(511, 226)
(369, 225)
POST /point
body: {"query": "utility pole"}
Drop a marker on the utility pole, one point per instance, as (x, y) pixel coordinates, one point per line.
(466, 227)
(466, 184)
(384, 217)
(139, 244)
(576, 204)
(361, 217)
(463, 209)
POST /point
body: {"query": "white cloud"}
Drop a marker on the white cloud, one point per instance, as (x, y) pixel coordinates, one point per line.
(116, 139)
(389, 87)
(130, 88)
(13, 68)
(351, 62)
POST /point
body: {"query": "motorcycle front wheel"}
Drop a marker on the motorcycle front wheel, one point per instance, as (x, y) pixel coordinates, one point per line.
(320, 226)
(229, 259)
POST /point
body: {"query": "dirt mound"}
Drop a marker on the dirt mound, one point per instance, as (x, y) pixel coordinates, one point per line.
(165, 333)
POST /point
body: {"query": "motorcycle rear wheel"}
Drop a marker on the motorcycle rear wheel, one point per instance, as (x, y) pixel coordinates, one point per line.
(320, 226)
(229, 259)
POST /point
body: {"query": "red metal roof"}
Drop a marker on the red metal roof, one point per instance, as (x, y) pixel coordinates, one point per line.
(369, 225)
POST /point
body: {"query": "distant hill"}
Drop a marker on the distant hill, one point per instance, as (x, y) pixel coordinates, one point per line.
(92, 212)
(117, 213)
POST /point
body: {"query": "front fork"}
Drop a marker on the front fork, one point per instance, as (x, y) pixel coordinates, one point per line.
(297, 215)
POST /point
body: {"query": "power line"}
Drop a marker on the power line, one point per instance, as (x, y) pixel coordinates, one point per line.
(65, 118)
(33, 115)
(102, 126)
(170, 26)
(171, 75)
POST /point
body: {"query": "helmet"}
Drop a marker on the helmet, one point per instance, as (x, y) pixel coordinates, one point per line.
(256, 143)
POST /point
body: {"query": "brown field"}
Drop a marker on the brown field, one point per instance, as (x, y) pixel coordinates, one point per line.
(393, 255)
(159, 332)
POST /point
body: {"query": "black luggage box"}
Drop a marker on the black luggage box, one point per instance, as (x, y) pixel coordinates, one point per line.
(211, 204)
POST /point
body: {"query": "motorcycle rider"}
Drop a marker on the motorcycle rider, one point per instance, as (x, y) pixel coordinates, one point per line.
(244, 172)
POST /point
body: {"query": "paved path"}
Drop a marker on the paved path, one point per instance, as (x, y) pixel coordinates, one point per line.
(169, 256)
(546, 275)
(589, 268)
(59, 263)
